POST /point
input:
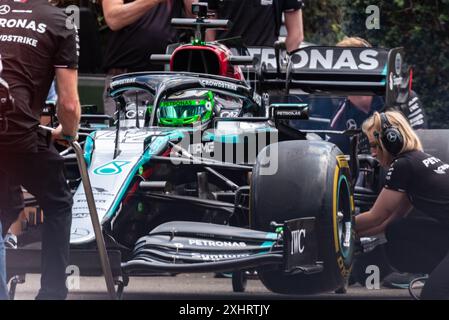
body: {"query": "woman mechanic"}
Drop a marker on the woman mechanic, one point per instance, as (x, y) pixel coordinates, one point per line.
(417, 244)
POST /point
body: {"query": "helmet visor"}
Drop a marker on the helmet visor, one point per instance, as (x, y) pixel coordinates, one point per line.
(184, 112)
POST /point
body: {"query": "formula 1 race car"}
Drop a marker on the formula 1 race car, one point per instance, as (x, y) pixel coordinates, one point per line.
(204, 172)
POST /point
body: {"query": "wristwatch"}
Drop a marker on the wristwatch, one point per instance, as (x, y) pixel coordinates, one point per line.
(70, 138)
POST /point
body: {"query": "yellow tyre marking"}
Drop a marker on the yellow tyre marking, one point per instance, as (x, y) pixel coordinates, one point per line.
(341, 163)
(334, 209)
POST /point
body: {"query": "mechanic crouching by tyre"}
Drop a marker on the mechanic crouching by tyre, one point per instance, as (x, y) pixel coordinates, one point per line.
(417, 244)
(33, 53)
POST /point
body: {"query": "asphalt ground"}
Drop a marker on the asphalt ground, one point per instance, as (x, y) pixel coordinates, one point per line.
(198, 287)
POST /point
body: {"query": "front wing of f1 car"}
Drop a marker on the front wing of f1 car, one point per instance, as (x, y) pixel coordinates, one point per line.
(181, 246)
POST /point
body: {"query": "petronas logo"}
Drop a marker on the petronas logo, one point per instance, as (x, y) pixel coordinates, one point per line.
(112, 168)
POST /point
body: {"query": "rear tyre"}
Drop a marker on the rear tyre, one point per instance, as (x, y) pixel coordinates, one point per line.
(312, 180)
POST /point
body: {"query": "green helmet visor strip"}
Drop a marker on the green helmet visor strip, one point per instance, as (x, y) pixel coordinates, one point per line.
(186, 111)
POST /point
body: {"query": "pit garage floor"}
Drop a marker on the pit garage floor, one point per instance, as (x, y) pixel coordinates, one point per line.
(196, 287)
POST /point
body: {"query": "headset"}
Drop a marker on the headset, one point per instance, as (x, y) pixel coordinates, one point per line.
(391, 137)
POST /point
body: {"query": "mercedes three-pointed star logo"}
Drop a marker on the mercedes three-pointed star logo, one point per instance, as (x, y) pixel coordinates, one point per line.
(5, 9)
(392, 137)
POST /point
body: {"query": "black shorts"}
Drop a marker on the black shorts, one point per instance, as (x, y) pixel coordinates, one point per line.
(41, 173)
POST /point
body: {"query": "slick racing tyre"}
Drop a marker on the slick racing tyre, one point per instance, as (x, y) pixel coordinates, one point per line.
(312, 180)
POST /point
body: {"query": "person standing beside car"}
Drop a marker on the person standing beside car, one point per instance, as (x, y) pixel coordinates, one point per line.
(33, 52)
(3, 285)
(353, 110)
(416, 244)
(139, 28)
(258, 22)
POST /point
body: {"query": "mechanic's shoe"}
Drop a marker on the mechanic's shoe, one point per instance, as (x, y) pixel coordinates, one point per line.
(51, 295)
(401, 280)
(10, 241)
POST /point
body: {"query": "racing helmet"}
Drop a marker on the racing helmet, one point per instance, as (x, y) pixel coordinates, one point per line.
(188, 108)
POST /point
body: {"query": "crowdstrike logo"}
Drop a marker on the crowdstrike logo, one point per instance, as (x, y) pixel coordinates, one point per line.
(5, 9)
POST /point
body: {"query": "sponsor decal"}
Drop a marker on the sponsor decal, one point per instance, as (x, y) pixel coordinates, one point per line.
(218, 257)
(229, 114)
(351, 124)
(85, 201)
(199, 148)
(218, 84)
(22, 11)
(80, 215)
(442, 169)
(210, 243)
(429, 161)
(417, 121)
(122, 82)
(112, 168)
(398, 63)
(331, 59)
(18, 39)
(391, 81)
(414, 108)
(79, 232)
(298, 236)
(86, 209)
(389, 173)
(266, 2)
(23, 24)
(5, 9)
(348, 235)
(288, 113)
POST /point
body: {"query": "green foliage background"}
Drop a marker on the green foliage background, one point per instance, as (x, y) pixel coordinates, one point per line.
(421, 27)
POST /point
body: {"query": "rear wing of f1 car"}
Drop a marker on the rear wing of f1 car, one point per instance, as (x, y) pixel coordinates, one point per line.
(342, 70)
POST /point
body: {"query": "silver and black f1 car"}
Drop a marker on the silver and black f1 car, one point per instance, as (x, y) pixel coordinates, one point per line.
(205, 173)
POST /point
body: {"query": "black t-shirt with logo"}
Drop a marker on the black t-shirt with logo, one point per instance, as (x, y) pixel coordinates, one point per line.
(35, 38)
(132, 46)
(347, 117)
(256, 21)
(425, 180)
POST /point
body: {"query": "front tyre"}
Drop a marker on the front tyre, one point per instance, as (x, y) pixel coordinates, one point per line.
(312, 180)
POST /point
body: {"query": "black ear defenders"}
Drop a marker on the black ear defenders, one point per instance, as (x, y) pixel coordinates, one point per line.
(391, 137)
